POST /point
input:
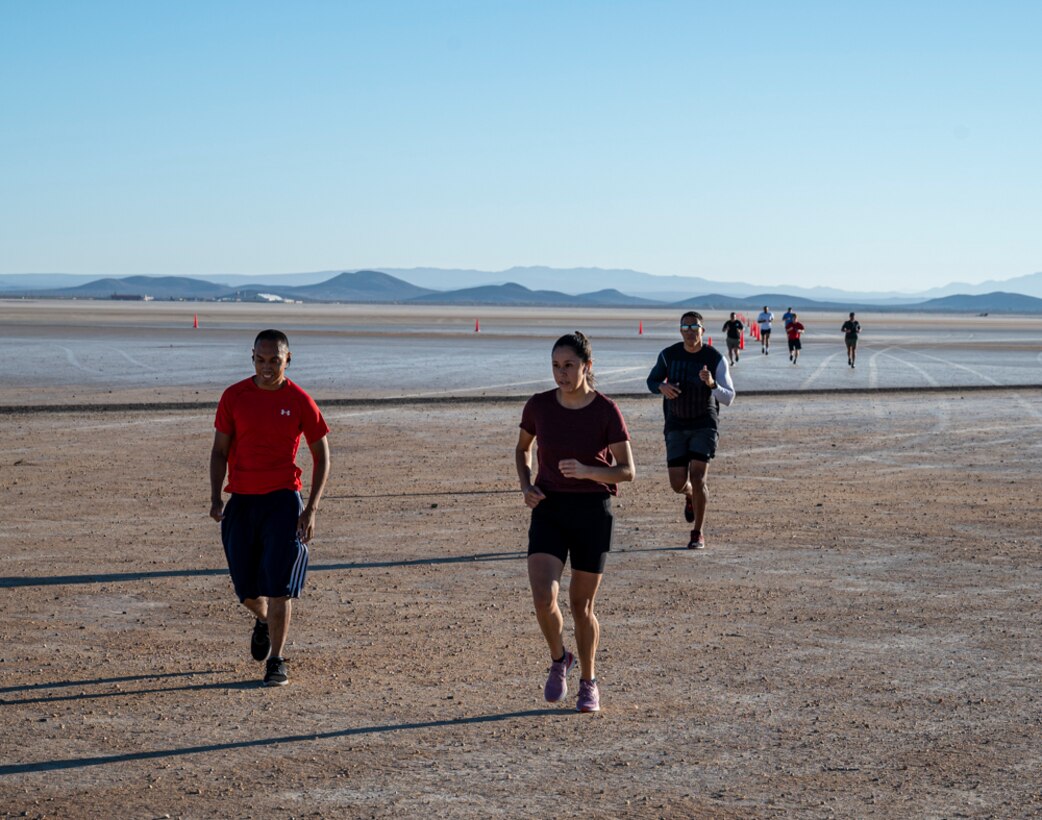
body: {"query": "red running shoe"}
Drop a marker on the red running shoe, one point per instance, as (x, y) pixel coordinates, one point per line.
(697, 542)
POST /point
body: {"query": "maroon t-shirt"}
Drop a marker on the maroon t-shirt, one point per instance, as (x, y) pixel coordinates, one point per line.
(582, 434)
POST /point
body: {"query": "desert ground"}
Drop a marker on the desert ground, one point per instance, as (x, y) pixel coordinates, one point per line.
(860, 639)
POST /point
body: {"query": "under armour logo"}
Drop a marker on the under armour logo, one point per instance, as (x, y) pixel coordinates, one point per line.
(283, 412)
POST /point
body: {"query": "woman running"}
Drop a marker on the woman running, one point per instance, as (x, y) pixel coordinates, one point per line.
(584, 451)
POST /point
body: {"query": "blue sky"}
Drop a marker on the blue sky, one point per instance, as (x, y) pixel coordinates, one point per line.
(890, 145)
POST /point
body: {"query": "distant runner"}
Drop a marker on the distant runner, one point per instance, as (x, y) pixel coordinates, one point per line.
(787, 317)
(764, 321)
(694, 380)
(851, 328)
(733, 328)
(584, 452)
(794, 330)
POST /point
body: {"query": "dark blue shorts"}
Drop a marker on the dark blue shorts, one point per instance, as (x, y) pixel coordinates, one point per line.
(265, 557)
(579, 524)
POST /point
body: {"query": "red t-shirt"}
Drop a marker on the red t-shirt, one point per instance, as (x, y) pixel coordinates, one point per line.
(582, 434)
(265, 426)
(794, 329)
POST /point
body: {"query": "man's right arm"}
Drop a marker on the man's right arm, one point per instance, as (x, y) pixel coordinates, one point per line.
(657, 379)
(222, 443)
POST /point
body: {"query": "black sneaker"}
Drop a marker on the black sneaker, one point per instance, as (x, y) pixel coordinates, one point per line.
(260, 643)
(276, 672)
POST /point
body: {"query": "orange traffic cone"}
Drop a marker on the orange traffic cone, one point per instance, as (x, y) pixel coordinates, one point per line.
(195, 320)
(709, 341)
(477, 325)
(741, 341)
(640, 329)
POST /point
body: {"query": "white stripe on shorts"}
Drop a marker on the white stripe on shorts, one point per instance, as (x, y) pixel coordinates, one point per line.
(300, 567)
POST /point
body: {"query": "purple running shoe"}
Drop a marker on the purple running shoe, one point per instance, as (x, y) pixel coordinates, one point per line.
(557, 681)
(589, 698)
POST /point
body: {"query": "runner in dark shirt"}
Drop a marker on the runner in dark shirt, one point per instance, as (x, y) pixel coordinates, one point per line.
(694, 380)
(584, 452)
(851, 329)
(733, 328)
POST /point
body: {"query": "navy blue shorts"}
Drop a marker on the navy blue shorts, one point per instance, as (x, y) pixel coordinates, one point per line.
(575, 523)
(265, 557)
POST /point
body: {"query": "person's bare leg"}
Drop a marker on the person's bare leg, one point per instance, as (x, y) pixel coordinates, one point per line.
(279, 611)
(678, 480)
(581, 591)
(700, 490)
(544, 577)
(258, 606)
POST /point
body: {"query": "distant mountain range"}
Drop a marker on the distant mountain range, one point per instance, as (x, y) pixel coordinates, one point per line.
(676, 288)
(569, 280)
(381, 286)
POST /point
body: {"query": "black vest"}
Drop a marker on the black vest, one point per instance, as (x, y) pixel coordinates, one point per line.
(695, 408)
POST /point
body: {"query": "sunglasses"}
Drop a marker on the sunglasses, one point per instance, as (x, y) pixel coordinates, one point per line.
(691, 327)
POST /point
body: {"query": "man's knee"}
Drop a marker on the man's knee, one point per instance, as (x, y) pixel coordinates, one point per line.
(678, 475)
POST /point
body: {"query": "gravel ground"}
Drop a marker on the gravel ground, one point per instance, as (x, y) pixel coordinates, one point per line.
(861, 637)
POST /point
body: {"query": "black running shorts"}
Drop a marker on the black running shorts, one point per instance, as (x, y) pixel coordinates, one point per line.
(576, 524)
(685, 446)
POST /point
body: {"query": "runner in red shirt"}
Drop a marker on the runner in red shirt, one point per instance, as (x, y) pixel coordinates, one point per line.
(793, 330)
(265, 526)
(584, 451)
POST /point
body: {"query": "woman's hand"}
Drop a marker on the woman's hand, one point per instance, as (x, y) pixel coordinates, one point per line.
(533, 495)
(570, 468)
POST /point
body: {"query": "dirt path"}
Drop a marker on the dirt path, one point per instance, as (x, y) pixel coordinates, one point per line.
(860, 639)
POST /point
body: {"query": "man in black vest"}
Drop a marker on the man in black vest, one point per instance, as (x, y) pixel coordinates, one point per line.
(694, 381)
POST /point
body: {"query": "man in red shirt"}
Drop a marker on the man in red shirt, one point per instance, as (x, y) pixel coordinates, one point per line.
(265, 526)
(793, 330)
